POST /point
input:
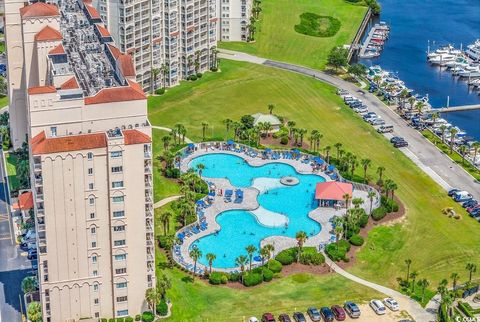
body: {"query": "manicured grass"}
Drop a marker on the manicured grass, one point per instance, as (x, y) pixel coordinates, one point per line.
(445, 148)
(11, 171)
(163, 187)
(436, 244)
(3, 101)
(315, 25)
(276, 38)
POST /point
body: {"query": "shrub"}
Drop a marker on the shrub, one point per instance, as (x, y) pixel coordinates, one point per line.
(147, 317)
(274, 265)
(252, 279)
(172, 173)
(216, 278)
(138, 317)
(338, 251)
(193, 78)
(160, 91)
(310, 256)
(284, 140)
(103, 320)
(128, 319)
(267, 274)
(286, 257)
(163, 241)
(234, 277)
(356, 240)
(315, 25)
(390, 205)
(162, 308)
(379, 213)
(111, 320)
(199, 75)
(363, 220)
(214, 69)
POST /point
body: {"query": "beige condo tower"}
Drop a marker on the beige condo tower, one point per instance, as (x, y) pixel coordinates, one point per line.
(75, 97)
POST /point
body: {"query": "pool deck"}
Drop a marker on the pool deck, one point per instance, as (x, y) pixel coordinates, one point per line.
(218, 205)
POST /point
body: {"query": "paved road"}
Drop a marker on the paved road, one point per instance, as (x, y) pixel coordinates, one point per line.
(435, 163)
(13, 265)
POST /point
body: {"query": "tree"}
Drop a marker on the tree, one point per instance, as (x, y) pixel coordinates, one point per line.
(241, 261)
(166, 141)
(455, 277)
(423, 284)
(152, 297)
(365, 164)
(443, 129)
(165, 69)
(271, 106)
(380, 171)
(165, 220)
(200, 167)
(204, 129)
(357, 70)
(29, 284)
(228, 124)
(453, 131)
(339, 231)
(408, 262)
(3, 86)
(413, 276)
(337, 146)
(270, 249)
(163, 284)
(471, 268)
(290, 125)
(357, 202)
(371, 196)
(327, 153)
(301, 133)
(251, 249)
(264, 253)
(210, 258)
(476, 148)
(301, 237)
(153, 81)
(34, 312)
(338, 57)
(195, 254)
(346, 198)
(463, 149)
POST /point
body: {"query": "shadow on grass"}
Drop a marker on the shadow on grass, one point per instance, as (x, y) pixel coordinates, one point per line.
(187, 279)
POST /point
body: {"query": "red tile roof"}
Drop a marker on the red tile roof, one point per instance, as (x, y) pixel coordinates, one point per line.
(48, 33)
(135, 137)
(114, 50)
(42, 145)
(39, 9)
(126, 65)
(59, 50)
(25, 201)
(132, 92)
(92, 12)
(70, 84)
(103, 31)
(333, 190)
(41, 90)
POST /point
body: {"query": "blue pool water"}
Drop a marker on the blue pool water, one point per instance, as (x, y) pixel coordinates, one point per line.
(241, 228)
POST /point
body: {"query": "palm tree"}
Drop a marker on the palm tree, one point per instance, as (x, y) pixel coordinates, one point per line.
(443, 129)
(476, 148)
(338, 233)
(251, 249)
(301, 133)
(463, 149)
(471, 268)
(312, 139)
(271, 106)
(34, 312)
(380, 171)
(264, 253)
(455, 277)
(353, 164)
(377, 79)
(228, 124)
(371, 196)
(166, 141)
(411, 101)
(291, 126)
(153, 81)
(423, 284)
(357, 202)
(346, 198)
(152, 297)
(420, 106)
(365, 163)
(270, 249)
(317, 137)
(241, 261)
(408, 262)
(210, 258)
(195, 254)
(327, 153)
(163, 284)
(413, 276)
(301, 237)
(165, 71)
(338, 146)
(453, 131)
(204, 129)
(29, 284)
(393, 187)
(165, 220)
(200, 167)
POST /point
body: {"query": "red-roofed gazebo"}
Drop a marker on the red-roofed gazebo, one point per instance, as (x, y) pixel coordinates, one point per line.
(329, 194)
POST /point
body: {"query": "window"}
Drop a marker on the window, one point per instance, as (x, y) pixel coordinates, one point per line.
(94, 244)
(121, 285)
(122, 312)
(92, 215)
(118, 199)
(119, 213)
(121, 257)
(121, 298)
(94, 259)
(117, 169)
(90, 186)
(116, 154)
(97, 315)
(90, 171)
(117, 184)
(53, 131)
(93, 230)
(95, 287)
(91, 200)
(121, 270)
(119, 228)
(89, 155)
(95, 301)
(95, 272)
(119, 242)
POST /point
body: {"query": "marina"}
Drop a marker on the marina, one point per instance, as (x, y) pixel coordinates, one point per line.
(376, 38)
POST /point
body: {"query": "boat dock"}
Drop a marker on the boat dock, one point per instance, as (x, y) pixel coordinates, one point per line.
(355, 43)
(457, 108)
(374, 42)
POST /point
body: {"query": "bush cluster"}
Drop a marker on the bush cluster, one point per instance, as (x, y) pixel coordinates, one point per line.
(161, 308)
(252, 279)
(312, 24)
(274, 265)
(147, 317)
(338, 251)
(379, 213)
(310, 256)
(284, 140)
(267, 274)
(390, 205)
(214, 69)
(172, 173)
(217, 278)
(363, 220)
(287, 256)
(160, 91)
(199, 75)
(356, 240)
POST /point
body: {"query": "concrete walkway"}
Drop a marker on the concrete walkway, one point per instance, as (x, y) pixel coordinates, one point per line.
(169, 130)
(406, 303)
(166, 200)
(436, 164)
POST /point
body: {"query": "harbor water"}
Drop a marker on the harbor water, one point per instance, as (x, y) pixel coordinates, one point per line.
(413, 25)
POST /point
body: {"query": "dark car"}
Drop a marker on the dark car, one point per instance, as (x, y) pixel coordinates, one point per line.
(474, 208)
(400, 144)
(314, 314)
(396, 139)
(299, 317)
(451, 192)
(32, 254)
(339, 313)
(352, 309)
(470, 203)
(284, 318)
(327, 314)
(268, 317)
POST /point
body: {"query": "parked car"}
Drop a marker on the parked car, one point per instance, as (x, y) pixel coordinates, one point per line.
(475, 212)
(400, 144)
(462, 196)
(378, 121)
(284, 318)
(385, 129)
(469, 203)
(396, 139)
(299, 317)
(339, 313)
(253, 319)
(352, 309)
(327, 314)
(378, 307)
(268, 317)
(32, 254)
(391, 304)
(314, 314)
(452, 191)
(471, 209)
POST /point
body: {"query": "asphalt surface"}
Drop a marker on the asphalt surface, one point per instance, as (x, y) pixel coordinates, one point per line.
(14, 265)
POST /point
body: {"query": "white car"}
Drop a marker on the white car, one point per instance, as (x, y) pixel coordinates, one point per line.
(378, 307)
(253, 319)
(391, 304)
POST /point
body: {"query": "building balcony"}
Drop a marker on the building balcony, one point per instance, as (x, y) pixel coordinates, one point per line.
(37, 167)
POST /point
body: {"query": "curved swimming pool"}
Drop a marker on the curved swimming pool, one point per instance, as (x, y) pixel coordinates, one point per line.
(283, 209)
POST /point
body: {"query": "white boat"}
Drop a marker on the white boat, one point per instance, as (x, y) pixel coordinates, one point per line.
(460, 62)
(470, 72)
(473, 50)
(442, 59)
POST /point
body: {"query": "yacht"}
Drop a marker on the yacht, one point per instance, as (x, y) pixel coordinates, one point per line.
(442, 59)
(473, 50)
(470, 71)
(459, 62)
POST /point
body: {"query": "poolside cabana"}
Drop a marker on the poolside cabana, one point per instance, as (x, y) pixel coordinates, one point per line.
(330, 194)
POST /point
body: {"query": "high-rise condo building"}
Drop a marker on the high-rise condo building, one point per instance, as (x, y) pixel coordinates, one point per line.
(234, 18)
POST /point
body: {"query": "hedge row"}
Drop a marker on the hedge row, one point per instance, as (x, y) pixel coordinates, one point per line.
(356, 240)
(338, 251)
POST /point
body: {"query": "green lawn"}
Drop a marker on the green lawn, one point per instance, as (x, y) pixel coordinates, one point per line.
(277, 39)
(437, 245)
(11, 171)
(163, 187)
(3, 101)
